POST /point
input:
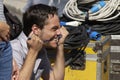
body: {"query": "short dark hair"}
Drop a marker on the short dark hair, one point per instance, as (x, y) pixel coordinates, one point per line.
(37, 14)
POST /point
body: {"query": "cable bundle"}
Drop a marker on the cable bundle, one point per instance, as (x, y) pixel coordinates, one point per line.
(102, 17)
(76, 42)
(111, 27)
(101, 11)
(77, 38)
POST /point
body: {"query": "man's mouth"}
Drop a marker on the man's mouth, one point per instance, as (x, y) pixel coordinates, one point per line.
(46, 41)
(53, 39)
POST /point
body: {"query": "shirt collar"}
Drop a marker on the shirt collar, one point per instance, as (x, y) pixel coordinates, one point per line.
(23, 38)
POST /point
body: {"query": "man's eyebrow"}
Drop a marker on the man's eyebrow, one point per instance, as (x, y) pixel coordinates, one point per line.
(55, 27)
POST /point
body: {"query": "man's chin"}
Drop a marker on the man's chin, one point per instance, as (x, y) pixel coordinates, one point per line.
(51, 46)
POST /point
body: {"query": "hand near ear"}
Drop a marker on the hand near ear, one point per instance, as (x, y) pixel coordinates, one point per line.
(64, 34)
(34, 42)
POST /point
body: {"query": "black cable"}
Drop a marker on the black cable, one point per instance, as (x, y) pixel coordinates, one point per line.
(77, 38)
(111, 27)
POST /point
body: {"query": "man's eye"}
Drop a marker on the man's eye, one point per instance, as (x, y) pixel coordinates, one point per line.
(54, 28)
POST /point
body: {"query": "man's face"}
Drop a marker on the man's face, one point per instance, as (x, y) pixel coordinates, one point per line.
(49, 34)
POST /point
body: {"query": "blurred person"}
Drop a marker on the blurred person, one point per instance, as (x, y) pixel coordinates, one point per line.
(5, 52)
(8, 66)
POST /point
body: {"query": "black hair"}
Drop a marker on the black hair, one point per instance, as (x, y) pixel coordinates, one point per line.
(37, 14)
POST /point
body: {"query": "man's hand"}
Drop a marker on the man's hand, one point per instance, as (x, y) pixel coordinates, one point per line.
(34, 46)
(4, 31)
(34, 42)
(64, 34)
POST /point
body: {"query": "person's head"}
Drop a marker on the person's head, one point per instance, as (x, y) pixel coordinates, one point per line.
(4, 31)
(43, 21)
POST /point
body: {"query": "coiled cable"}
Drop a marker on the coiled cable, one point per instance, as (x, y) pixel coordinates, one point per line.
(77, 38)
(104, 13)
(111, 27)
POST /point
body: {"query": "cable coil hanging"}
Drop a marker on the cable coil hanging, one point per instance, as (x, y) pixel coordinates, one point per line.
(104, 12)
(77, 38)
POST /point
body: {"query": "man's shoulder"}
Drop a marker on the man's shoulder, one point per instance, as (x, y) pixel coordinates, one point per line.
(19, 40)
(15, 42)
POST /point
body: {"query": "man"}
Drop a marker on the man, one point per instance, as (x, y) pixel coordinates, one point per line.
(8, 67)
(5, 52)
(41, 23)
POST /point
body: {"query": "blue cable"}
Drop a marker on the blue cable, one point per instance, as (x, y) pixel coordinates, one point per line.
(97, 6)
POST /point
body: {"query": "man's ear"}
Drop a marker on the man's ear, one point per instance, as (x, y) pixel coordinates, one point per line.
(36, 30)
